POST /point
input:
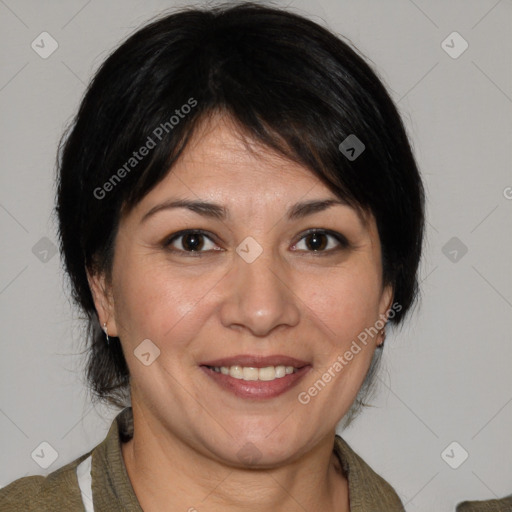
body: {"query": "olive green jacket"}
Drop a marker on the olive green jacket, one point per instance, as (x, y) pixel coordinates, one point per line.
(102, 470)
(503, 505)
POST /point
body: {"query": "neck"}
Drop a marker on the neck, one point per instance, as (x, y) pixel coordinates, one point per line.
(167, 475)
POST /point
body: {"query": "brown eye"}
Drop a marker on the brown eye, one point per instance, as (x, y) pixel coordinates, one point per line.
(191, 242)
(316, 241)
(321, 241)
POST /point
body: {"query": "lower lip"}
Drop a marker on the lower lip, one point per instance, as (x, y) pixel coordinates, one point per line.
(259, 389)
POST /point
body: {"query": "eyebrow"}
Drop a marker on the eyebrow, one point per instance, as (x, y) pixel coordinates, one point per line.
(216, 211)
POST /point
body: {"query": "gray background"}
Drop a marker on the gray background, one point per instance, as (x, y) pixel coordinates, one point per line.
(446, 376)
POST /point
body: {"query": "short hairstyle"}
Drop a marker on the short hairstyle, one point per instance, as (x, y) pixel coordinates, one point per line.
(285, 81)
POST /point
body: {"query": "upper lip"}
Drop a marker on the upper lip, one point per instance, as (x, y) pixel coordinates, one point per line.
(255, 361)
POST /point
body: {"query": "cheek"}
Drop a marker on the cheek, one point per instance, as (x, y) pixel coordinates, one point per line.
(156, 302)
(344, 302)
(344, 307)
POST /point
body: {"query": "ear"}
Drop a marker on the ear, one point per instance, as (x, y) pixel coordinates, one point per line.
(386, 300)
(104, 301)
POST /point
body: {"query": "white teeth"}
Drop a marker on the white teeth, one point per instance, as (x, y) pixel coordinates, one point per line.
(268, 373)
(280, 371)
(250, 373)
(236, 372)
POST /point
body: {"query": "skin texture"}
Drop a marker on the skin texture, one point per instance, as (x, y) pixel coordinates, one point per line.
(188, 432)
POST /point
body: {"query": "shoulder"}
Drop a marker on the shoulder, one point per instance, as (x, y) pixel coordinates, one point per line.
(57, 491)
(18, 494)
(502, 505)
(61, 490)
(368, 490)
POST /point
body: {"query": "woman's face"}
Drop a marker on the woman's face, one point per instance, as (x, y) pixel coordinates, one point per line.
(253, 293)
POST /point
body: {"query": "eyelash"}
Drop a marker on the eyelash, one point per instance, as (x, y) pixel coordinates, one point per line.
(342, 241)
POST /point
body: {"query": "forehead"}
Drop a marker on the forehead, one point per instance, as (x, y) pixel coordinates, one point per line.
(223, 165)
(220, 152)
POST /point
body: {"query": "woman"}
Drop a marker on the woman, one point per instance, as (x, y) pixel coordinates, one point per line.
(240, 216)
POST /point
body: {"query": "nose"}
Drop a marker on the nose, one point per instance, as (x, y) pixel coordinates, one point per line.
(259, 297)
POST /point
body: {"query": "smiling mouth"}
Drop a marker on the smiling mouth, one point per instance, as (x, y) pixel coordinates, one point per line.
(250, 373)
(256, 377)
